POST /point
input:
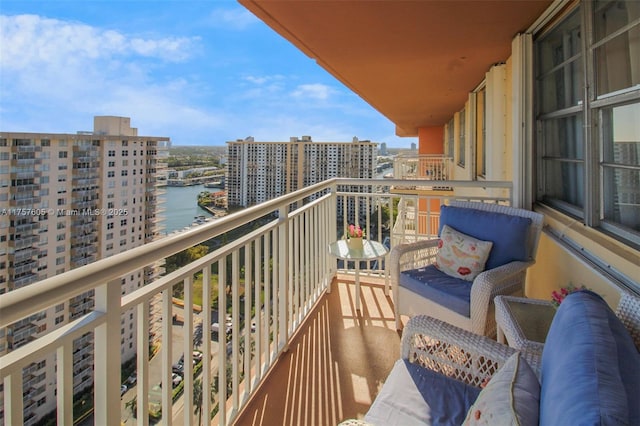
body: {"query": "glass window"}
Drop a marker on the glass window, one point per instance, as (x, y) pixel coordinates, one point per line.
(559, 73)
(450, 139)
(560, 141)
(481, 133)
(588, 149)
(562, 162)
(621, 165)
(616, 27)
(461, 139)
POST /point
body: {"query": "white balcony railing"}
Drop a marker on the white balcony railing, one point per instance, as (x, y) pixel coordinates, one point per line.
(423, 166)
(266, 281)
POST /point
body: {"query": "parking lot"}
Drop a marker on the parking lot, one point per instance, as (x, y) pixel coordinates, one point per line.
(155, 374)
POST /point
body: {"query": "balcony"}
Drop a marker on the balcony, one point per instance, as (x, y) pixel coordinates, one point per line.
(23, 255)
(23, 226)
(26, 161)
(78, 238)
(26, 148)
(24, 242)
(423, 166)
(25, 280)
(313, 359)
(26, 201)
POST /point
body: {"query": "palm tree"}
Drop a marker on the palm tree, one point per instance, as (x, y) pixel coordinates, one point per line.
(197, 335)
(132, 405)
(198, 397)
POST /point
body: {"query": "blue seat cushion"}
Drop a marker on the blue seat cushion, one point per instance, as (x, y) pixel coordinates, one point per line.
(590, 366)
(509, 233)
(413, 395)
(435, 285)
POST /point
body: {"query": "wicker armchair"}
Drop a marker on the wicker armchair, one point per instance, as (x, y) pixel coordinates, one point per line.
(628, 311)
(507, 279)
(457, 353)
(453, 352)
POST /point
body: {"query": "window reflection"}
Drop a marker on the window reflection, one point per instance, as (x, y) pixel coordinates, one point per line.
(621, 165)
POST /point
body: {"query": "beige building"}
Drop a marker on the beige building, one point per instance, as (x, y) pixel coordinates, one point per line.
(260, 171)
(67, 200)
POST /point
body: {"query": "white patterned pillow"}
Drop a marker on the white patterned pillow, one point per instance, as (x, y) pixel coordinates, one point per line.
(512, 397)
(460, 255)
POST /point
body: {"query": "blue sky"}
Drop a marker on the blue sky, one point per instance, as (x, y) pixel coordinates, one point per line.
(200, 72)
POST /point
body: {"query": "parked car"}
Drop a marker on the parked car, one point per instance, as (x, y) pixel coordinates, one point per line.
(132, 379)
(123, 389)
(175, 379)
(197, 356)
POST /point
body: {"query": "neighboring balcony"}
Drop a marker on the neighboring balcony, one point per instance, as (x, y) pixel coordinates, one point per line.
(433, 167)
(289, 341)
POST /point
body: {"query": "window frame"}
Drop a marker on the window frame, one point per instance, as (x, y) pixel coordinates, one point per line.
(591, 108)
(462, 138)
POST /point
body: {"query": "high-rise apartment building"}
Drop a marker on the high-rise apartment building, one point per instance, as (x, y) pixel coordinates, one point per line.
(67, 200)
(260, 171)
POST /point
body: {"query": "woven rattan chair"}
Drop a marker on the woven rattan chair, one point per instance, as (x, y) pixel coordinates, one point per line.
(455, 353)
(507, 279)
(628, 311)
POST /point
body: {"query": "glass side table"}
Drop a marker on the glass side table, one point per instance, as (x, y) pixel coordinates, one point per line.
(371, 250)
(524, 322)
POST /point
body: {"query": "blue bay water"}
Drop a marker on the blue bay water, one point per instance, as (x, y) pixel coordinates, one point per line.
(181, 206)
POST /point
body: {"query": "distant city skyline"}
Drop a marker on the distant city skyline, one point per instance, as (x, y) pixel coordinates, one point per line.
(199, 72)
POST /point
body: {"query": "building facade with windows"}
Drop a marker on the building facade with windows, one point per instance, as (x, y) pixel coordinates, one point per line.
(67, 200)
(260, 171)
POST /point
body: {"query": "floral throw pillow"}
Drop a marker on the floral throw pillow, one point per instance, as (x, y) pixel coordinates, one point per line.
(460, 255)
(512, 397)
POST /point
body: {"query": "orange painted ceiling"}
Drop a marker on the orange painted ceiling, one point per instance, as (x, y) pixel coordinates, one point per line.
(414, 61)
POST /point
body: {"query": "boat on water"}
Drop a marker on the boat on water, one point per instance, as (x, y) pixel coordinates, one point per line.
(213, 185)
(199, 220)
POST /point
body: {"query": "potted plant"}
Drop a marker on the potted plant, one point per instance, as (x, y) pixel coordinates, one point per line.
(354, 236)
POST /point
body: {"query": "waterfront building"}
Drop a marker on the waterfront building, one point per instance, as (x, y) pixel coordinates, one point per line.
(67, 200)
(260, 171)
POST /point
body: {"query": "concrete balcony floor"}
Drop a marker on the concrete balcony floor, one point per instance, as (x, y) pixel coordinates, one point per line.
(335, 365)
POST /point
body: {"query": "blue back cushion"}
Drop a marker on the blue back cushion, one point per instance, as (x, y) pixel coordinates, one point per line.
(509, 234)
(590, 366)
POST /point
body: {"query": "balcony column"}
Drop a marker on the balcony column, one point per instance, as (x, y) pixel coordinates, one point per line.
(187, 349)
(142, 385)
(283, 274)
(13, 399)
(107, 355)
(430, 140)
(331, 233)
(64, 377)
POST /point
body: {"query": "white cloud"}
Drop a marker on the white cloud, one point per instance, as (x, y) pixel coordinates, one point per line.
(262, 79)
(312, 91)
(62, 73)
(256, 80)
(31, 40)
(233, 19)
